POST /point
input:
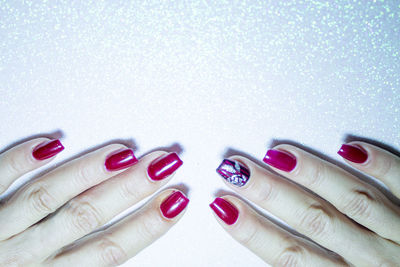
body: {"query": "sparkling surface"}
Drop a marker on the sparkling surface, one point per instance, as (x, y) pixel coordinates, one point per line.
(206, 75)
(233, 172)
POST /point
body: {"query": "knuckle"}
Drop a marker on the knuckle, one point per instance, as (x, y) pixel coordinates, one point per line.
(359, 205)
(248, 238)
(111, 254)
(41, 201)
(84, 174)
(149, 229)
(83, 216)
(16, 164)
(129, 191)
(292, 256)
(386, 263)
(384, 167)
(264, 191)
(318, 175)
(16, 258)
(316, 221)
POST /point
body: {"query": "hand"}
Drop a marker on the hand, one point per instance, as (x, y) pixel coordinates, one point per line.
(78, 198)
(345, 215)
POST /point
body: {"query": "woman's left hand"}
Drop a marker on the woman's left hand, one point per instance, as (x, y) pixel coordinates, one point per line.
(344, 215)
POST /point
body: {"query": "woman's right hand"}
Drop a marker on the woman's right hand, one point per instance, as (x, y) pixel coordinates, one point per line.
(72, 201)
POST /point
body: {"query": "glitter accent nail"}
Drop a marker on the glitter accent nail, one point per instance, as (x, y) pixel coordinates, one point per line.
(234, 172)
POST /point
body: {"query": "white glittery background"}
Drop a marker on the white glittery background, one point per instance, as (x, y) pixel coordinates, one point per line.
(206, 75)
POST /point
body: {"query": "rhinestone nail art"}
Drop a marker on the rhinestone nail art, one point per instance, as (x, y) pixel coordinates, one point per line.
(234, 172)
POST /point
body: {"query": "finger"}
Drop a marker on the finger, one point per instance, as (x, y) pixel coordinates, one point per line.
(125, 239)
(96, 206)
(272, 244)
(52, 190)
(351, 196)
(374, 161)
(311, 216)
(26, 157)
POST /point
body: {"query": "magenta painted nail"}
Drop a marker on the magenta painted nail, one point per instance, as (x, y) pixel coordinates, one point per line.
(47, 149)
(280, 160)
(164, 166)
(234, 172)
(120, 159)
(353, 153)
(174, 204)
(225, 210)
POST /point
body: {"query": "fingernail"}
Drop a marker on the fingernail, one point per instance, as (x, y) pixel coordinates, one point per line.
(234, 172)
(280, 160)
(120, 159)
(47, 149)
(164, 166)
(353, 153)
(174, 205)
(225, 210)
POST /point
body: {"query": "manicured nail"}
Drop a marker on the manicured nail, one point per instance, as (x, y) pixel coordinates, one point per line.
(353, 153)
(164, 166)
(234, 172)
(47, 149)
(120, 159)
(280, 160)
(174, 205)
(225, 210)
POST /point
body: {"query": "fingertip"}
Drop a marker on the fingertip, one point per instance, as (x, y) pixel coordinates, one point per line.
(47, 149)
(173, 204)
(225, 210)
(354, 152)
(163, 166)
(120, 159)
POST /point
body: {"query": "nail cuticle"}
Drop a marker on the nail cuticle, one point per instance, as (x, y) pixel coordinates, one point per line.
(164, 166)
(120, 159)
(354, 153)
(173, 205)
(281, 159)
(47, 149)
(225, 210)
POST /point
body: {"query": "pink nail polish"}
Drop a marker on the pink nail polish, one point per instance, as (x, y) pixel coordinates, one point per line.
(120, 159)
(47, 149)
(280, 160)
(225, 210)
(353, 153)
(164, 166)
(174, 204)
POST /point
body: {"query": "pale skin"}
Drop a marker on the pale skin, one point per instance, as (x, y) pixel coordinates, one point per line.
(80, 196)
(346, 216)
(355, 221)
